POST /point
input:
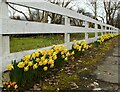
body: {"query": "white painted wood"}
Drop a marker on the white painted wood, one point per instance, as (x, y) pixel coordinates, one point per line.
(3, 14)
(1, 59)
(102, 30)
(0, 52)
(67, 35)
(6, 45)
(3, 9)
(86, 33)
(96, 33)
(26, 27)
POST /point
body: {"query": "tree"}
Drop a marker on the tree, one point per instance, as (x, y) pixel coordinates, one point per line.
(93, 4)
(110, 8)
(118, 17)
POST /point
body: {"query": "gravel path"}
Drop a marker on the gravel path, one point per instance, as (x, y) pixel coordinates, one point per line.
(109, 71)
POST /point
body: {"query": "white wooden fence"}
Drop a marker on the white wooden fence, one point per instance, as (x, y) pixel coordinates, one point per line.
(9, 26)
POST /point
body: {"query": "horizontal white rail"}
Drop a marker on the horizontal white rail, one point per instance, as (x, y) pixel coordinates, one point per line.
(26, 27)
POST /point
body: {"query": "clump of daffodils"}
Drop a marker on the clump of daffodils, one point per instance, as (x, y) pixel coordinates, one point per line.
(39, 63)
(46, 58)
(80, 47)
(105, 37)
(10, 86)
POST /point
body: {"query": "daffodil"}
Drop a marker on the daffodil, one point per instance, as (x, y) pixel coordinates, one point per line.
(14, 83)
(43, 58)
(52, 65)
(45, 62)
(62, 53)
(26, 61)
(45, 68)
(35, 66)
(51, 61)
(54, 53)
(73, 53)
(30, 63)
(67, 54)
(63, 56)
(74, 40)
(15, 87)
(33, 55)
(40, 63)
(37, 54)
(26, 68)
(79, 43)
(27, 57)
(4, 83)
(87, 47)
(10, 67)
(55, 57)
(83, 49)
(65, 50)
(21, 64)
(74, 47)
(37, 60)
(66, 59)
(8, 86)
(50, 57)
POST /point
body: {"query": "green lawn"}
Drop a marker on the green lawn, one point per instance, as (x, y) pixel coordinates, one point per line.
(27, 43)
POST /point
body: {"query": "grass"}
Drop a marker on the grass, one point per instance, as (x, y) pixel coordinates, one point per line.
(18, 44)
(27, 43)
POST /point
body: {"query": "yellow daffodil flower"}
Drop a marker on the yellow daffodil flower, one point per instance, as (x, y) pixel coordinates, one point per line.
(30, 63)
(35, 66)
(15, 87)
(37, 60)
(43, 58)
(27, 57)
(54, 57)
(40, 63)
(10, 67)
(21, 64)
(45, 62)
(45, 68)
(26, 68)
(52, 65)
(74, 40)
(66, 59)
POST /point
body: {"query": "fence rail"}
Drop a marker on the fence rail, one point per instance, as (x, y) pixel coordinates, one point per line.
(9, 26)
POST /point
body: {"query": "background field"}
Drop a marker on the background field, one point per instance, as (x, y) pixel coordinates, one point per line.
(21, 43)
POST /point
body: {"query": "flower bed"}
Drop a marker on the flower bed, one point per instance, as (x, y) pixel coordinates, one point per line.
(40, 64)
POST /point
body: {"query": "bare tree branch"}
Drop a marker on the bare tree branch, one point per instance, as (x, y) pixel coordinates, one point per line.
(18, 11)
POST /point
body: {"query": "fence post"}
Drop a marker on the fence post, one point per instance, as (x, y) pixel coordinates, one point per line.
(105, 29)
(96, 33)
(67, 35)
(4, 40)
(102, 29)
(86, 33)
